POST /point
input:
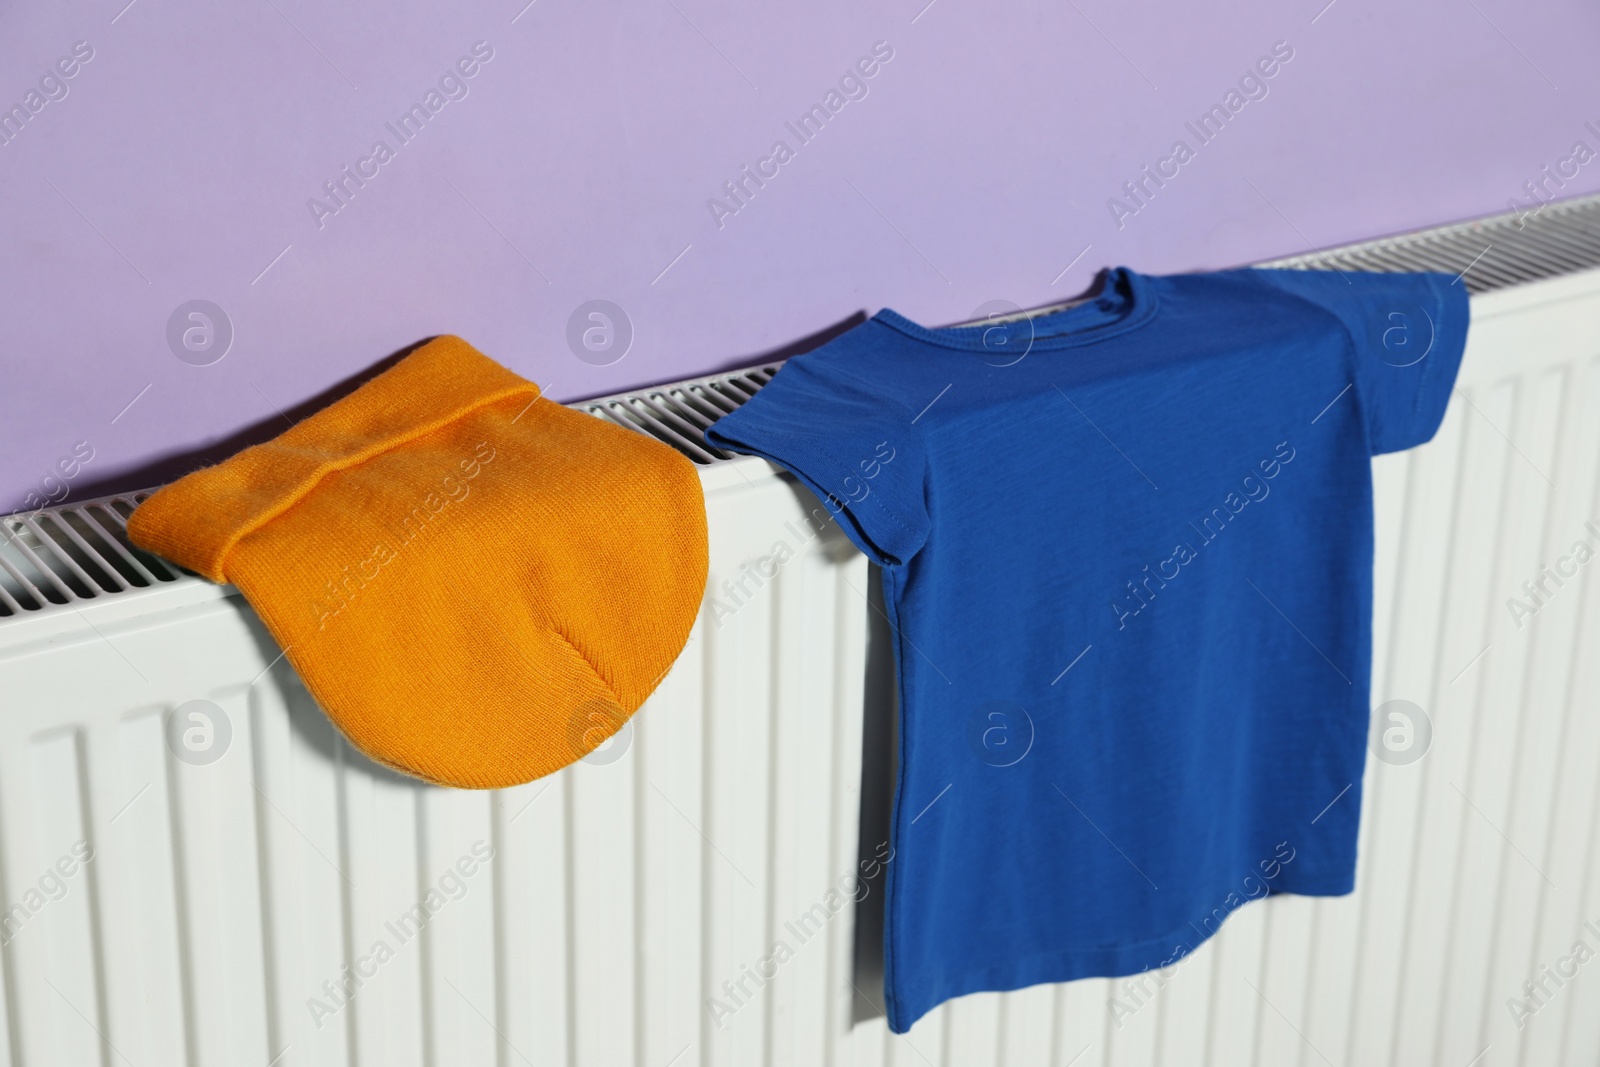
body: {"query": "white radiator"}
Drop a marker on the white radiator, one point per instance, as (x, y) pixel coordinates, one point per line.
(286, 902)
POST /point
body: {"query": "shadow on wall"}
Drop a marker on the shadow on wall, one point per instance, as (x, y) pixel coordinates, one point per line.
(797, 347)
(174, 465)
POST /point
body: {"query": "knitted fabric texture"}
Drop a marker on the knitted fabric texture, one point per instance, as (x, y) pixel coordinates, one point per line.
(478, 585)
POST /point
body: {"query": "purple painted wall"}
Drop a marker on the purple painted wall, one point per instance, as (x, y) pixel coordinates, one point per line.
(575, 156)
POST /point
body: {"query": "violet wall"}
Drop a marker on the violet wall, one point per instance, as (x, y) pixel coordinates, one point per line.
(182, 159)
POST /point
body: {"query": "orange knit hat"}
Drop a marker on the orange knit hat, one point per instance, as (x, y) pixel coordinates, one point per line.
(478, 585)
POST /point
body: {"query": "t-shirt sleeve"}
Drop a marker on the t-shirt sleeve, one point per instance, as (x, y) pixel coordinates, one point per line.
(858, 452)
(1408, 330)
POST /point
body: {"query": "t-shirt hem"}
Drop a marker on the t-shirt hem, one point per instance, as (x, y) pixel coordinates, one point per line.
(1095, 961)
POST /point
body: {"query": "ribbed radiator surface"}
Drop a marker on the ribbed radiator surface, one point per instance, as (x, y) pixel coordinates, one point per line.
(258, 894)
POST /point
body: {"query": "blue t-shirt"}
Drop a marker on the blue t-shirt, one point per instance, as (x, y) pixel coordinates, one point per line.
(1127, 553)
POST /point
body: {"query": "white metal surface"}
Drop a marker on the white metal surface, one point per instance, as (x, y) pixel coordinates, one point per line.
(223, 901)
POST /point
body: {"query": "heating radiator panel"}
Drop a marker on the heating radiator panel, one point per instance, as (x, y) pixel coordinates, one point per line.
(623, 894)
(221, 897)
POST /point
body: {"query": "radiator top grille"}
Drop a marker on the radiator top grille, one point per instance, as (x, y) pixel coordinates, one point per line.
(1491, 253)
(56, 558)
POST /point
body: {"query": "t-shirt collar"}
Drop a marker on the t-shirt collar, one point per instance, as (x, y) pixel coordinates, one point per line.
(1126, 302)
